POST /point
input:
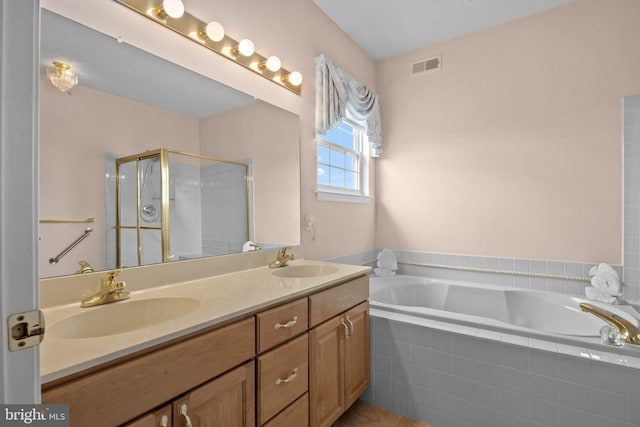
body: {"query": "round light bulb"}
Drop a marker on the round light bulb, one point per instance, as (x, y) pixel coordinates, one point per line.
(295, 78)
(214, 31)
(273, 63)
(246, 47)
(173, 8)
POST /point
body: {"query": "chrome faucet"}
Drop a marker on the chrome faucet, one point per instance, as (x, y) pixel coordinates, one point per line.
(111, 290)
(282, 259)
(627, 330)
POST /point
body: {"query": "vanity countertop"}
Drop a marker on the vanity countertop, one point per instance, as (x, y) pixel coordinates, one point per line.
(216, 299)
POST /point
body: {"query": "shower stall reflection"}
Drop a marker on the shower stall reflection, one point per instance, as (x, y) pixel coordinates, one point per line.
(172, 205)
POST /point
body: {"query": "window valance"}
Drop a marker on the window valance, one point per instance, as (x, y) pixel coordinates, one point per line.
(336, 92)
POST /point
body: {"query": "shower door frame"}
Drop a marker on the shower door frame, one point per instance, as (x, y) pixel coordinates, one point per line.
(164, 214)
(163, 154)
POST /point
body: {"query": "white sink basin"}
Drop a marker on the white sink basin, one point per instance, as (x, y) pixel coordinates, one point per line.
(124, 316)
(302, 271)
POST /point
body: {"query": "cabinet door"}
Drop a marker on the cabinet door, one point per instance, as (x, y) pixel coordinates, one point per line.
(326, 372)
(159, 418)
(357, 353)
(225, 401)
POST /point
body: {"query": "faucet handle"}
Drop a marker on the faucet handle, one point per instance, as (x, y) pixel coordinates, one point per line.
(109, 278)
(85, 267)
(283, 252)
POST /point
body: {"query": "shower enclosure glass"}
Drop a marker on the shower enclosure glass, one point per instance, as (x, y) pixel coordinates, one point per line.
(172, 205)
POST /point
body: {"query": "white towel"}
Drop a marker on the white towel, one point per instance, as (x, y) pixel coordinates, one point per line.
(598, 295)
(606, 279)
(387, 260)
(383, 272)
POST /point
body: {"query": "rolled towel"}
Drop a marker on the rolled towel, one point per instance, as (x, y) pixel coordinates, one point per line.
(606, 279)
(603, 268)
(613, 283)
(387, 259)
(383, 272)
(598, 282)
(598, 295)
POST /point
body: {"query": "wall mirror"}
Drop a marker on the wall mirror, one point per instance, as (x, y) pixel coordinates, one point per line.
(129, 102)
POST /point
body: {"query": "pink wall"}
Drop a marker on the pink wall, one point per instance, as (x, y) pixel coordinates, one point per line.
(75, 133)
(296, 31)
(514, 147)
(270, 137)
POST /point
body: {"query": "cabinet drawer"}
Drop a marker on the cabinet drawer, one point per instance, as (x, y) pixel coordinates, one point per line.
(283, 376)
(277, 325)
(327, 304)
(296, 414)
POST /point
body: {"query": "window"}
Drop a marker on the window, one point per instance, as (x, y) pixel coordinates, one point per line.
(343, 162)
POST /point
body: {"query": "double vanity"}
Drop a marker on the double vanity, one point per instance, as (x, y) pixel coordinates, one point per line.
(255, 347)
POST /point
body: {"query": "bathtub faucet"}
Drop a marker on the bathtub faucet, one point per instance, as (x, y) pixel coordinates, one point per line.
(628, 331)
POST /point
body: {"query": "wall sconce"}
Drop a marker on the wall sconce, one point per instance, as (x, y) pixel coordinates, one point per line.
(212, 36)
(62, 76)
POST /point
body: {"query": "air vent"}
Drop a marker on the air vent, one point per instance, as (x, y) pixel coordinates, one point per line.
(426, 65)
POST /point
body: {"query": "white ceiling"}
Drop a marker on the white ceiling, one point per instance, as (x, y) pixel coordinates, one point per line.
(385, 28)
(121, 69)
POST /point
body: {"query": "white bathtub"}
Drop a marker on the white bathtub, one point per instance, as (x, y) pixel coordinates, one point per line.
(460, 354)
(486, 305)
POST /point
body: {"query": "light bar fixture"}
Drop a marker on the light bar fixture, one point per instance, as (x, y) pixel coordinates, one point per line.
(171, 14)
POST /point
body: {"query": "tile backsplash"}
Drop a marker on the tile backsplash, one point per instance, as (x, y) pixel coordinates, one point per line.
(545, 275)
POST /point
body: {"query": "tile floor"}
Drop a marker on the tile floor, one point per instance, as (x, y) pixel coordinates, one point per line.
(362, 414)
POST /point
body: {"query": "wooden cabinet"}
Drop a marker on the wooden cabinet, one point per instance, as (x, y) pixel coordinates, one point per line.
(357, 356)
(283, 376)
(122, 392)
(335, 354)
(339, 364)
(296, 415)
(225, 401)
(281, 323)
(158, 418)
(269, 369)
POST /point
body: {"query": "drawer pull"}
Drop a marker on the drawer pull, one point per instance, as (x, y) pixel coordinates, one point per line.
(350, 325)
(289, 324)
(164, 421)
(290, 378)
(183, 412)
(346, 329)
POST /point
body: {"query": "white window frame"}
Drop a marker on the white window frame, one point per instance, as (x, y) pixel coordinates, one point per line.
(342, 194)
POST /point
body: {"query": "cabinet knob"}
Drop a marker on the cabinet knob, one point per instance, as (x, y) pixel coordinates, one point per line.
(164, 421)
(289, 324)
(290, 378)
(183, 412)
